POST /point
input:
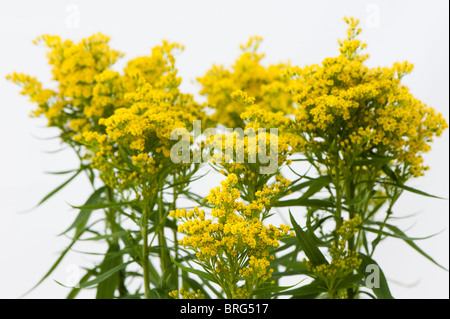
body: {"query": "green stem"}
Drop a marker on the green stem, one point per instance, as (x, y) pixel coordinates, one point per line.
(111, 215)
(337, 183)
(161, 238)
(351, 293)
(145, 253)
(175, 237)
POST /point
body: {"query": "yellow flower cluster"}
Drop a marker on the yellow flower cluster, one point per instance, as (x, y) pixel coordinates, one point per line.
(131, 144)
(343, 261)
(88, 90)
(237, 245)
(136, 144)
(349, 228)
(185, 294)
(250, 155)
(266, 86)
(362, 109)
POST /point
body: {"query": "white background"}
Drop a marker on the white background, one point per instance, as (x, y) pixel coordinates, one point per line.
(303, 32)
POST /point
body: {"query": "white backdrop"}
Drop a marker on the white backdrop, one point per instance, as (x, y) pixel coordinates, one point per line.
(303, 32)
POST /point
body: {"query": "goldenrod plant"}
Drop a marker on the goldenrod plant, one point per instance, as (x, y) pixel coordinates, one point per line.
(359, 130)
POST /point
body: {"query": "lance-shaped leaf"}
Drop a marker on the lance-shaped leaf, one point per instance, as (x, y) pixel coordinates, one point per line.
(319, 203)
(107, 287)
(380, 285)
(84, 214)
(411, 243)
(197, 272)
(308, 291)
(104, 205)
(104, 276)
(57, 189)
(308, 244)
(410, 189)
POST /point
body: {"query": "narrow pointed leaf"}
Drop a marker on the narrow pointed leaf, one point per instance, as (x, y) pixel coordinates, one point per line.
(410, 189)
(107, 288)
(197, 272)
(272, 289)
(84, 214)
(411, 243)
(104, 276)
(103, 206)
(308, 244)
(74, 292)
(313, 288)
(57, 189)
(319, 203)
(395, 234)
(381, 287)
(316, 186)
(53, 267)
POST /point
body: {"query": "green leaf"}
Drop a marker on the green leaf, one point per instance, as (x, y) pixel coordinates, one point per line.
(186, 181)
(395, 235)
(286, 243)
(374, 160)
(390, 173)
(62, 172)
(314, 288)
(381, 290)
(270, 289)
(107, 236)
(316, 186)
(74, 292)
(103, 206)
(411, 243)
(197, 272)
(356, 201)
(300, 186)
(57, 189)
(350, 281)
(319, 203)
(57, 262)
(410, 189)
(308, 244)
(104, 276)
(189, 283)
(126, 158)
(84, 214)
(107, 287)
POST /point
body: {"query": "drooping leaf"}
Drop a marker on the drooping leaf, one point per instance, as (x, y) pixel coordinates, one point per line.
(411, 243)
(105, 275)
(410, 189)
(197, 272)
(57, 189)
(74, 292)
(381, 288)
(84, 214)
(395, 234)
(62, 172)
(55, 264)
